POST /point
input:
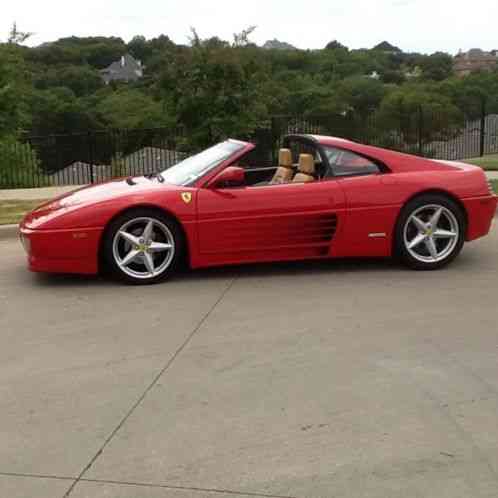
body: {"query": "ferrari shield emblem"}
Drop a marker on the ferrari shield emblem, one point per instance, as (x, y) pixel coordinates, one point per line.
(187, 197)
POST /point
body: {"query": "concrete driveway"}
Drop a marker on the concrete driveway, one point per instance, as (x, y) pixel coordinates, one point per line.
(332, 379)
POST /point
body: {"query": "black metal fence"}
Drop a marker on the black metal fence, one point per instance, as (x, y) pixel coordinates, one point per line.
(91, 157)
(424, 133)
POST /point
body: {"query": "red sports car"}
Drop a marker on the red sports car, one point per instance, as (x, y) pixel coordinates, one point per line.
(326, 198)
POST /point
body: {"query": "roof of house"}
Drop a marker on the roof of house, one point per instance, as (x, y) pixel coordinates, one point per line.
(150, 159)
(476, 53)
(127, 68)
(141, 162)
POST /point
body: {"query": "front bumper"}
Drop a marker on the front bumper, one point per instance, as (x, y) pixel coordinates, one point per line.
(62, 251)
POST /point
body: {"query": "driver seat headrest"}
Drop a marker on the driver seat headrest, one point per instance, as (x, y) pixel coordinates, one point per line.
(306, 164)
(306, 169)
(285, 171)
(285, 158)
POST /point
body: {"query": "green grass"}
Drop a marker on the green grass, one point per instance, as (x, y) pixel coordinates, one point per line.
(495, 185)
(488, 163)
(13, 211)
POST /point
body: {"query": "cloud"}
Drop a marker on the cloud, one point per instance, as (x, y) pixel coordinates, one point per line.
(413, 25)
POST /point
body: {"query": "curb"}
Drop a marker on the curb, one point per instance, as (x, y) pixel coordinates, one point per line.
(8, 231)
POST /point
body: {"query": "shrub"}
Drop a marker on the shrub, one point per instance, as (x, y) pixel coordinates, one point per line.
(19, 165)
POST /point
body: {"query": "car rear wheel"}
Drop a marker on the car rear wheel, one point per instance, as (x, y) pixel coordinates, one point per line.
(143, 246)
(430, 232)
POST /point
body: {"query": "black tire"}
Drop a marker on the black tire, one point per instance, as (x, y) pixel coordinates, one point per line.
(163, 227)
(416, 206)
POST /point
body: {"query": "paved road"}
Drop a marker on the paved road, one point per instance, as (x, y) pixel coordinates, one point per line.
(338, 379)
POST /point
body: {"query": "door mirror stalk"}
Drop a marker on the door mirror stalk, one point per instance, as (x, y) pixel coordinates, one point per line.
(233, 176)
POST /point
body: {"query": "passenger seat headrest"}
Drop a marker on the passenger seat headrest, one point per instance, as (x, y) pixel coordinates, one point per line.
(285, 158)
(306, 164)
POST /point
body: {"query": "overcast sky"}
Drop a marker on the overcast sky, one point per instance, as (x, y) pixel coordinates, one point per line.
(413, 25)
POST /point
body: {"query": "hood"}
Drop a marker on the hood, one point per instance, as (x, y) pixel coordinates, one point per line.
(105, 191)
(94, 195)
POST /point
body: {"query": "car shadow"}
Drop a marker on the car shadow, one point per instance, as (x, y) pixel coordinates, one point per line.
(297, 268)
(258, 270)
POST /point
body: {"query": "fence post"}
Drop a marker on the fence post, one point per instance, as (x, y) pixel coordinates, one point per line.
(90, 156)
(420, 124)
(482, 133)
(273, 139)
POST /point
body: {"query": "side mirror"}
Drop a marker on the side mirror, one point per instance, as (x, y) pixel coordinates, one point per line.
(233, 176)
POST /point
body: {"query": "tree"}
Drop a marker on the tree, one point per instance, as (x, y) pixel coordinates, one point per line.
(242, 39)
(361, 94)
(15, 88)
(139, 48)
(17, 37)
(98, 51)
(420, 113)
(216, 87)
(393, 76)
(474, 93)
(81, 80)
(58, 110)
(335, 45)
(436, 67)
(19, 165)
(215, 92)
(130, 108)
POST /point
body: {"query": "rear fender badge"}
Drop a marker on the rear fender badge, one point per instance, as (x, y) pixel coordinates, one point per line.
(377, 235)
(186, 197)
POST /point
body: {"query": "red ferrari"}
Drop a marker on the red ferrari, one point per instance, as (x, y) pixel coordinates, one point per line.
(326, 198)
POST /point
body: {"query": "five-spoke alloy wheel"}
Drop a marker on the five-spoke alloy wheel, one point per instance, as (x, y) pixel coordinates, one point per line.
(430, 232)
(143, 246)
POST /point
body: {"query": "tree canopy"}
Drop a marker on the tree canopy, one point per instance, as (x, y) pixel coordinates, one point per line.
(215, 88)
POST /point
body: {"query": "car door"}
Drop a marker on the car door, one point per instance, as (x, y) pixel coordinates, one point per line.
(371, 209)
(271, 222)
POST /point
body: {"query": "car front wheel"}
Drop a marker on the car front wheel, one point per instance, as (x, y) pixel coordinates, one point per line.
(143, 246)
(430, 232)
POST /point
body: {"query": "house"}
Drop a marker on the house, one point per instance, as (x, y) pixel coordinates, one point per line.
(278, 45)
(149, 160)
(141, 162)
(474, 60)
(126, 69)
(374, 75)
(77, 173)
(387, 48)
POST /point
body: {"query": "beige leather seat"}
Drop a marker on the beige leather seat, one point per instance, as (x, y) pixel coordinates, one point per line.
(285, 171)
(306, 170)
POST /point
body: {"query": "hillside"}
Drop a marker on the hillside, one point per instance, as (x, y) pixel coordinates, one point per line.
(212, 87)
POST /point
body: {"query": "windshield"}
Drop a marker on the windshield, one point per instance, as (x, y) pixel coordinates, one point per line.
(192, 168)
